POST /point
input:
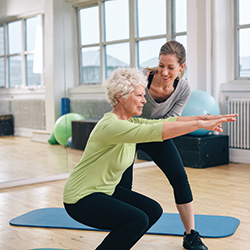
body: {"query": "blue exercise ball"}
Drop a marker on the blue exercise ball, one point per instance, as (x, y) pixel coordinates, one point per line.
(62, 128)
(200, 103)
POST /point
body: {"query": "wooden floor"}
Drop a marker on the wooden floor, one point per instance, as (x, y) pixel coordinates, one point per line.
(22, 158)
(222, 190)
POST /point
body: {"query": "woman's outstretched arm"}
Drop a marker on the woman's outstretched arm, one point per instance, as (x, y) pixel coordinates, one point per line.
(203, 117)
(185, 125)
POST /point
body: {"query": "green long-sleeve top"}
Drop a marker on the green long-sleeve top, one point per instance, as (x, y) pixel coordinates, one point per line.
(109, 152)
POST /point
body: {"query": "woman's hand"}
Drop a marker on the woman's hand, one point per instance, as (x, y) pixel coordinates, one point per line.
(214, 122)
(213, 117)
(187, 124)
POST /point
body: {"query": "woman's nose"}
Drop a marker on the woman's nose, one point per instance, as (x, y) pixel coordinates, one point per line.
(165, 71)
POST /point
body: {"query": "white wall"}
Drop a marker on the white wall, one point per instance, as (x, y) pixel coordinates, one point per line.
(60, 56)
(196, 44)
(210, 44)
(15, 8)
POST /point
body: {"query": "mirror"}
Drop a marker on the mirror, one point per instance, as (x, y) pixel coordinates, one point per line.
(27, 157)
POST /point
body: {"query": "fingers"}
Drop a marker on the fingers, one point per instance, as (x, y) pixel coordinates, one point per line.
(235, 114)
(217, 128)
(231, 115)
(221, 120)
(212, 117)
(217, 124)
(228, 119)
(220, 130)
(231, 119)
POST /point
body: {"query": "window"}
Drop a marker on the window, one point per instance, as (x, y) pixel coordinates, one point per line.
(33, 49)
(2, 61)
(14, 40)
(90, 44)
(124, 33)
(116, 35)
(179, 22)
(151, 32)
(243, 39)
(21, 53)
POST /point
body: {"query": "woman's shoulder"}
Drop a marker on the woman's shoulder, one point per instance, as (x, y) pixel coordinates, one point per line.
(184, 85)
(183, 82)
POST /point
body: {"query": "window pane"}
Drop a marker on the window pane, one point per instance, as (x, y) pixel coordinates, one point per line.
(89, 25)
(31, 31)
(31, 78)
(91, 65)
(1, 41)
(183, 41)
(38, 52)
(151, 17)
(15, 37)
(15, 71)
(244, 7)
(148, 52)
(180, 15)
(117, 55)
(116, 20)
(244, 53)
(2, 73)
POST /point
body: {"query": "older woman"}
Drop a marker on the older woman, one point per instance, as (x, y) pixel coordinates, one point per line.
(90, 193)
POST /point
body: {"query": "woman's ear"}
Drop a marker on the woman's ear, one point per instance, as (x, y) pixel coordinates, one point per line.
(182, 67)
(118, 96)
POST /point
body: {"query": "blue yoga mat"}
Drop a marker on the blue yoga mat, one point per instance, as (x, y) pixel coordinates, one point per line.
(209, 226)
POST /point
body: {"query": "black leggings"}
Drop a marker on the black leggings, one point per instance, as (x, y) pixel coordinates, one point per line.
(167, 158)
(127, 214)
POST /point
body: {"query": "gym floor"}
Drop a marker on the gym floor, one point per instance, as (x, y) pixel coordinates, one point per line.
(221, 190)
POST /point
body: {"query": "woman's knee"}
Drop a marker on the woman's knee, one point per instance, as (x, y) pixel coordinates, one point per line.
(180, 179)
(154, 212)
(138, 224)
(157, 212)
(143, 220)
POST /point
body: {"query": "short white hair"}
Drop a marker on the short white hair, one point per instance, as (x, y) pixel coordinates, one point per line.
(123, 81)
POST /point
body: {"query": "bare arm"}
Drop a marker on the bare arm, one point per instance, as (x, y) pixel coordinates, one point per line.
(203, 117)
(187, 124)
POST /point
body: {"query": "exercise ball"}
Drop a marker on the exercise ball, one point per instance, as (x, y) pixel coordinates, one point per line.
(200, 103)
(62, 129)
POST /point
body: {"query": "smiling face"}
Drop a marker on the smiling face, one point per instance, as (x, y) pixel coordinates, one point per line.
(133, 105)
(169, 68)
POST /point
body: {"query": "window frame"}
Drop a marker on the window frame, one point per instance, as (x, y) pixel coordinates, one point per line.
(23, 53)
(133, 39)
(237, 29)
(4, 25)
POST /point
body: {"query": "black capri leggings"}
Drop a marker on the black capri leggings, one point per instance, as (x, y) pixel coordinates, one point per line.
(167, 158)
(127, 214)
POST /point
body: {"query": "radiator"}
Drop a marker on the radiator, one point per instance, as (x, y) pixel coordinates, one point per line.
(239, 131)
(29, 113)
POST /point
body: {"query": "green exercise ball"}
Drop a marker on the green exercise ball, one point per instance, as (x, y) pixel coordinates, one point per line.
(62, 129)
